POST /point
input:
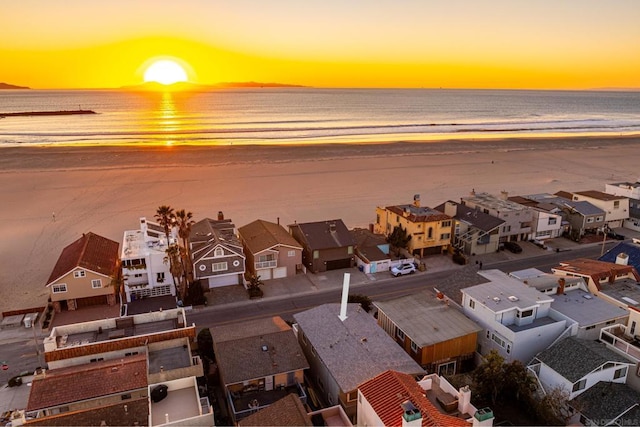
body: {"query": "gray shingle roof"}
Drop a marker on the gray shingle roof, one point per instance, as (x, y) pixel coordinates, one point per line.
(574, 358)
(241, 357)
(605, 401)
(474, 217)
(354, 350)
(427, 320)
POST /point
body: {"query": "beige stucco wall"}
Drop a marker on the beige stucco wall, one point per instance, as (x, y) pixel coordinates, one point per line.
(81, 287)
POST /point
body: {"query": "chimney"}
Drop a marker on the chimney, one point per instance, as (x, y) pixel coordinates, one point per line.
(332, 227)
(473, 192)
(561, 283)
(220, 216)
(483, 418)
(345, 297)
(464, 399)
(622, 259)
(411, 416)
(278, 220)
(416, 200)
(504, 195)
(450, 209)
(143, 224)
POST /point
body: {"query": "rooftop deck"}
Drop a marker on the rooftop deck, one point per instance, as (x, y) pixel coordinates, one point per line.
(182, 405)
(83, 338)
(246, 403)
(615, 336)
(444, 400)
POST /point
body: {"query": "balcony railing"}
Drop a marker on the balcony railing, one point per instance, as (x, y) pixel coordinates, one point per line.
(615, 336)
(245, 403)
(266, 264)
(205, 405)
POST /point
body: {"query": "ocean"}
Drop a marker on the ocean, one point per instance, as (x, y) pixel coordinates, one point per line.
(309, 115)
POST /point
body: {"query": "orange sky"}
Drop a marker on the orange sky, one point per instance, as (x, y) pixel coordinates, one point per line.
(325, 43)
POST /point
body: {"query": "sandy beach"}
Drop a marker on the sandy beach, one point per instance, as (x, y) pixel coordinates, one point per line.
(106, 189)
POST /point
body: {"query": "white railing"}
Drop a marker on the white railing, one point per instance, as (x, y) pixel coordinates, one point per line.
(266, 264)
(619, 343)
(205, 405)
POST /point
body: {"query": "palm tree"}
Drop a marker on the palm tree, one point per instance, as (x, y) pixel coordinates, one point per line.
(173, 258)
(166, 218)
(184, 221)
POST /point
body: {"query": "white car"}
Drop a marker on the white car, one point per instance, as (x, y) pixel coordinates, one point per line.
(403, 269)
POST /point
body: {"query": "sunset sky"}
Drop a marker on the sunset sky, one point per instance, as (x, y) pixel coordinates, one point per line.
(325, 43)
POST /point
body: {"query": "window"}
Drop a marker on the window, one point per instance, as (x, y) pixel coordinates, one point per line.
(316, 254)
(579, 385)
(447, 368)
(218, 252)
(397, 219)
(620, 373)
(446, 223)
(291, 254)
(125, 396)
(414, 347)
(553, 220)
(62, 287)
(79, 273)
(160, 277)
(616, 204)
(599, 218)
(99, 359)
(131, 353)
(266, 261)
(525, 313)
(445, 236)
(633, 328)
(400, 334)
(352, 396)
(589, 220)
(219, 266)
(430, 235)
(350, 250)
(472, 304)
(96, 283)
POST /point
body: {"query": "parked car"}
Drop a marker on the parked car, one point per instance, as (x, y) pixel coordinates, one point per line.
(513, 247)
(403, 269)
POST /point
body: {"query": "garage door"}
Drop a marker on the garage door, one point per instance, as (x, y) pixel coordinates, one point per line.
(280, 272)
(216, 282)
(264, 274)
(337, 264)
(91, 301)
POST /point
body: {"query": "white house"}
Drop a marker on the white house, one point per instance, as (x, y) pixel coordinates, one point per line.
(631, 190)
(616, 207)
(144, 271)
(516, 319)
(576, 365)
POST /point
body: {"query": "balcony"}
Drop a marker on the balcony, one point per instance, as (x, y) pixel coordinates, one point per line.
(251, 400)
(616, 337)
(181, 406)
(266, 264)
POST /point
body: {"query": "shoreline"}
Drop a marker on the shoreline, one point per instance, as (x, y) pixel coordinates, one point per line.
(71, 157)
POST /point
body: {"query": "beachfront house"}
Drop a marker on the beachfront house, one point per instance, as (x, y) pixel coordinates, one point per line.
(432, 330)
(216, 252)
(630, 190)
(345, 351)
(518, 219)
(259, 362)
(396, 399)
(577, 366)
(628, 253)
(516, 320)
(271, 252)
(326, 245)
(372, 251)
(547, 218)
(474, 232)
(85, 273)
(430, 230)
(616, 208)
(144, 270)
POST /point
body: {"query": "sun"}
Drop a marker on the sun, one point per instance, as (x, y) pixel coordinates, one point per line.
(166, 72)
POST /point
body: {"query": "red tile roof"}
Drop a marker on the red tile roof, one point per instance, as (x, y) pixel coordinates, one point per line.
(386, 392)
(91, 252)
(418, 214)
(66, 385)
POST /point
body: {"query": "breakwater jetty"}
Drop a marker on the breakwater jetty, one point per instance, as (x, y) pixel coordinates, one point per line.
(47, 113)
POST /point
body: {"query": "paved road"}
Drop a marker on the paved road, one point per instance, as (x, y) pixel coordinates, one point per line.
(448, 282)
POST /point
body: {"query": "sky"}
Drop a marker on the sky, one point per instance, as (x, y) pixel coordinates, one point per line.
(511, 44)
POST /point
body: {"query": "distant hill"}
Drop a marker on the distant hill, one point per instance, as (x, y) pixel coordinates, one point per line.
(254, 84)
(8, 86)
(195, 87)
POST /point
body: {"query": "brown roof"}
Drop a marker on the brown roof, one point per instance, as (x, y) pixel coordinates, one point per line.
(600, 195)
(91, 252)
(287, 411)
(125, 413)
(597, 269)
(418, 214)
(386, 393)
(260, 235)
(66, 385)
(564, 194)
(363, 237)
(325, 234)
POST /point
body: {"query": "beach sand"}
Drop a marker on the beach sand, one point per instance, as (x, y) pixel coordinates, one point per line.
(107, 189)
